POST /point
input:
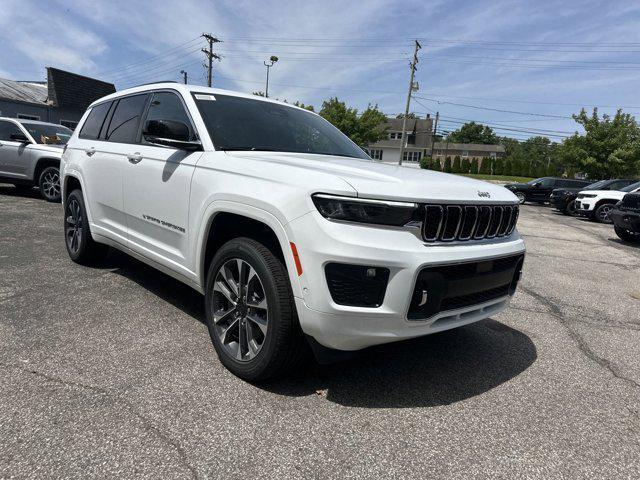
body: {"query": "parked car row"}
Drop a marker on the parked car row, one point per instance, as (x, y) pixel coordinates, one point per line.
(614, 201)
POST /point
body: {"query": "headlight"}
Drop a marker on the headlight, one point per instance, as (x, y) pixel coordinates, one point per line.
(362, 210)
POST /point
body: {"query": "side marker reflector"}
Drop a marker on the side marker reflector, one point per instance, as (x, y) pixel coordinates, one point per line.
(296, 258)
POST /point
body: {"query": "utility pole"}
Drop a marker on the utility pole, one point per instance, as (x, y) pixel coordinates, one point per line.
(414, 63)
(433, 135)
(210, 55)
(273, 59)
(184, 76)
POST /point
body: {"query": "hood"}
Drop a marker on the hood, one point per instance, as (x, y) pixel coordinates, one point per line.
(613, 194)
(371, 179)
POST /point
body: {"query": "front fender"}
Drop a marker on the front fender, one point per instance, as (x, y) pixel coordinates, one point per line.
(281, 231)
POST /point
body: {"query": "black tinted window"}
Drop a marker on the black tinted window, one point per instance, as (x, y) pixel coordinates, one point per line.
(168, 106)
(93, 123)
(236, 123)
(123, 127)
(7, 129)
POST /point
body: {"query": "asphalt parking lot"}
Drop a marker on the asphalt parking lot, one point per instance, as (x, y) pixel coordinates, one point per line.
(109, 372)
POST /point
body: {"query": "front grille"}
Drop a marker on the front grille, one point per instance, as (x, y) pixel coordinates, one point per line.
(450, 287)
(447, 223)
(631, 202)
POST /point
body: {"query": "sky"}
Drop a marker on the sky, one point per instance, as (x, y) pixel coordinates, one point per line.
(523, 67)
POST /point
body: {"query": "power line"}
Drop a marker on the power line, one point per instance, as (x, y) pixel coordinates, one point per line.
(442, 102)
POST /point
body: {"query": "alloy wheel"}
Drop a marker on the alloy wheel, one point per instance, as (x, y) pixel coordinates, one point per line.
(51, 183)
(73, 226)
(521, 197)
(240, 310)
(603, 213)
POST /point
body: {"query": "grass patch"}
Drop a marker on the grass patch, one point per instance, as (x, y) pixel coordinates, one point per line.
(503, 178)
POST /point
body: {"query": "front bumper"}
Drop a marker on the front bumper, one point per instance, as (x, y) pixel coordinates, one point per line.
(627, 219)
(559, 203)
(584, 208)
(343, 327)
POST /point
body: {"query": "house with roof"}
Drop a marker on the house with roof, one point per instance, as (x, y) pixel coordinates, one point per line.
(470, 151)
(62, 99)
(419, 135)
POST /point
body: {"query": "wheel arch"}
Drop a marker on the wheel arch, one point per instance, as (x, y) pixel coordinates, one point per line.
(43, 163)
(605, 201)
(224, 220)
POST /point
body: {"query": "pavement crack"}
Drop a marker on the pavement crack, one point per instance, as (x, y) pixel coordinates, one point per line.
(147, 424)
(581, 343)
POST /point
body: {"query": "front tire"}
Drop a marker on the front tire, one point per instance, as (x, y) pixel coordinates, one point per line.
(49, 184)
(521, 198)
(81, 247)
(250, 311)
(601, 214)
(570, 209)
(626, 235)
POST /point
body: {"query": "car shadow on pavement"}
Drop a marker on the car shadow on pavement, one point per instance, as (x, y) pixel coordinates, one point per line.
(11, 191)
(438, 369)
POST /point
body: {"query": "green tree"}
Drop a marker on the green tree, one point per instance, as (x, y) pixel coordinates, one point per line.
(507, 168)
(610, 146)
(447, 165)
(411, 115)
(465, 166)
(302, 105)
(473, 132)
(498, 166)
(456, 167)
(362, 129)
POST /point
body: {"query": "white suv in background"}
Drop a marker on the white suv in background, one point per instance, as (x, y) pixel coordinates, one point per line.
(597, 204)
(30, 154)
(287, 227)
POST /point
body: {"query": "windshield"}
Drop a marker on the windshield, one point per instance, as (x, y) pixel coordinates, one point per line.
(631, 187)
(535, 180)
(48, 134)
(597, 185)
(236, 123)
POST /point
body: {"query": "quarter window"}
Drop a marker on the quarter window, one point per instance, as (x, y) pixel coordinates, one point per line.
(168, 106)
(93, 123)
(7, 129)
(123, 127)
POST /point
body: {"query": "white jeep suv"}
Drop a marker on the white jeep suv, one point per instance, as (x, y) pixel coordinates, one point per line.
(598, 204)
(292, 233)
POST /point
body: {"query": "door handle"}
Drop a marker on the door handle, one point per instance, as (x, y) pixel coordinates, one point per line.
(90, 151)
(135, 158)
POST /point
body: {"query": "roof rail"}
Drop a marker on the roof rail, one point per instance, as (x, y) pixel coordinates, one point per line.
(152, 83)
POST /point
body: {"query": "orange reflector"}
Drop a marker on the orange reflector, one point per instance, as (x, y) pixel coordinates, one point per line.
(296, 258)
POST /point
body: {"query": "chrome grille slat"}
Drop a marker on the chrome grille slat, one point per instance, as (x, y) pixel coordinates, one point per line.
(447, 223)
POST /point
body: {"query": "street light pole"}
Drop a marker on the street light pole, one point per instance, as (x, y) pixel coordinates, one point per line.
(273, 59)
(184, 76)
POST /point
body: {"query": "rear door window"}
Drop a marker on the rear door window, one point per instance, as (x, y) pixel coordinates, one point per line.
(123, 127)
(92, 125)
(7, 129)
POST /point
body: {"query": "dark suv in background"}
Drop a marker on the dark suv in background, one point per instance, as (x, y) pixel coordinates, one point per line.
(539, 190)
(563, 199)
(626, 218)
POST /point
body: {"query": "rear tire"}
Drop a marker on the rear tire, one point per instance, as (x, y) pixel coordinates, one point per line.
(601, 214)
(49, 184)
(251, 313)
(626, 235)
(81, 247)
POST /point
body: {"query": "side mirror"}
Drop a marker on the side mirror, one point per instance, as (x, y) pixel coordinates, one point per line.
(19, 137)
(537, 184)
(169, 133)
